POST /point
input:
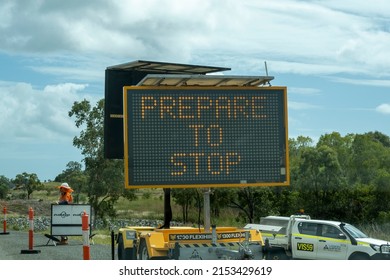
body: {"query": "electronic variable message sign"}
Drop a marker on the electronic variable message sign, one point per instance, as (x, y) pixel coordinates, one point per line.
(205, 137)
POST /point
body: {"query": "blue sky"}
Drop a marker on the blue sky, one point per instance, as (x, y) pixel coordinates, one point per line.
(333, 56)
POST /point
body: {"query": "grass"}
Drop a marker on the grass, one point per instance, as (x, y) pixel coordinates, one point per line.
(376, 230)
(150, 205)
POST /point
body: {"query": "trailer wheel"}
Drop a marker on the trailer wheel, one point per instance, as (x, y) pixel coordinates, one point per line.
(143, 251)
(121, 248)
(124, 253)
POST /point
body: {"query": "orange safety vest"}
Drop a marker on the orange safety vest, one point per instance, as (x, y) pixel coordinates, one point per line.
(66, 197)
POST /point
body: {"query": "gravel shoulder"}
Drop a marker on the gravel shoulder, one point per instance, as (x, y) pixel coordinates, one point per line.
(12, 245)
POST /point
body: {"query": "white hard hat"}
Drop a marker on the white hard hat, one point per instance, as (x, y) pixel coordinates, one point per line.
(66, 187)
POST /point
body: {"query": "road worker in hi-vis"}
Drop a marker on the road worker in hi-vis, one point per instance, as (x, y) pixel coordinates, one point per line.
(66, 194)
(65, 198)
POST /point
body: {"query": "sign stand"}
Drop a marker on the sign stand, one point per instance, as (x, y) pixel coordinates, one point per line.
(53, 239)
(206, 201)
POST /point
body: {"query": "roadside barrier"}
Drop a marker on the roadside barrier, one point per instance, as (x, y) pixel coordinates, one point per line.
(85, 229)
(5, 221)
(30, 235)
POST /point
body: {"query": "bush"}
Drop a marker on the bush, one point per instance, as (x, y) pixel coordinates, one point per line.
(3, 191)
(146, 195)
(384, 217)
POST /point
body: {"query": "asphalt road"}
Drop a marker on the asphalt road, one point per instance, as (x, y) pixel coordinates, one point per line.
(15, 246)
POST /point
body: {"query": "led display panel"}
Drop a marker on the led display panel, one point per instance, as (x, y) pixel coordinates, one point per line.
(205, 137)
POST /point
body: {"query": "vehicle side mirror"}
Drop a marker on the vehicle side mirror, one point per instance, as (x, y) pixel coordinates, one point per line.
(342, 236)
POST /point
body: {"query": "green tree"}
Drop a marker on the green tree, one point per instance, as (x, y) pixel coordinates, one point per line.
(75, 177)
(342, 146)
(360, 205)
(253, 203)
(290, 198)
(366, 156)
(296, 146)
(71, 168)
(377, 136)
(104, 177)
(219, 198)
(382, 191)
(320, 177)
(370, 166)
(28, 182)
(4, 186)
(184, 198)
(286, 201)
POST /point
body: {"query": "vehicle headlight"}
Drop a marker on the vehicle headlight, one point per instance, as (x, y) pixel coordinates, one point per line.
(385, 249)
(375, 247)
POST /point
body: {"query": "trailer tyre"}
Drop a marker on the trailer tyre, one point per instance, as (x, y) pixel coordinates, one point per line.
(121, 249)
(124, 253)
(143, 250)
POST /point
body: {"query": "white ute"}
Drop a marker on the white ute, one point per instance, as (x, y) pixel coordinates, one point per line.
(299, 237)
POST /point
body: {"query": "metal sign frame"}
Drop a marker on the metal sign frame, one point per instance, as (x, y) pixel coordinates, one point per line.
(164, 119)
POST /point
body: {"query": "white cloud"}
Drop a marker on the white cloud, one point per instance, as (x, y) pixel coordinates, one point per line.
(301, 105)
(363, 82)
(35, 115)
(55, 52)
(304, 91)
(312, 37)
(383, 109)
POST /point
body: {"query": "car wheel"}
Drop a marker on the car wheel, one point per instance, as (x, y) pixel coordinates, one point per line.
(359, 256)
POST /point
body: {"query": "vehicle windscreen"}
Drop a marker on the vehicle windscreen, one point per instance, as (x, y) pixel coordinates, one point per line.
(354, 232)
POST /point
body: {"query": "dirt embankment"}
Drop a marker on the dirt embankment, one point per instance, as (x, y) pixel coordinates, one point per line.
(20, 207)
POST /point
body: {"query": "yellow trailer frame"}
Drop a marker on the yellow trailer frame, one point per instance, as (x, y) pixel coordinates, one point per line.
(189, 243)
